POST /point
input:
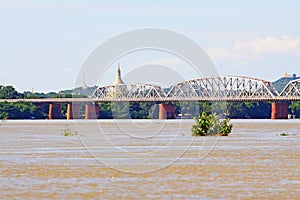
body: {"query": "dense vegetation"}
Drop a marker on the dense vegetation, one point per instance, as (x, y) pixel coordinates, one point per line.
(261, 110)
(128, 110)
(210, 125)
(9, 92)
(294, 108)
(25, 110)
(134, 110)
(20, 110)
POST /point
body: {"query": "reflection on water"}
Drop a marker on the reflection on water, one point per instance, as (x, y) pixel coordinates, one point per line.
(37, 161)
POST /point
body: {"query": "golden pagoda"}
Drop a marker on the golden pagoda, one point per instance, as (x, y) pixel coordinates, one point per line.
(285, 75)
(119, 86)
(118, 79)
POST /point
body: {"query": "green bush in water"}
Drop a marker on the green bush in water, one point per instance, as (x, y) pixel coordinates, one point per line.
(68, 132)
(211, 125)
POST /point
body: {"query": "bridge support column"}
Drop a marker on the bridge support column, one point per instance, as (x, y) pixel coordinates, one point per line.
(166, 111)
(279, 110)
(69, 111)
(73, 111)
(54, 111)
(91, 111)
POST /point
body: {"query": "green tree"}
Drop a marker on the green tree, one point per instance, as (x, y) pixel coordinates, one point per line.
(237, 110)
(220, 108)
(120, 110)
(140, 110)
(294, 108)
(19, 110)
(153, 111)
(105, 110)
(202, 125)
(226, 127)
(210, 125)
(9, 92)
(259, 110)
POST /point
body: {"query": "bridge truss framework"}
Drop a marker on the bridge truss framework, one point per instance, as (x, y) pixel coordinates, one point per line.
(217, 88)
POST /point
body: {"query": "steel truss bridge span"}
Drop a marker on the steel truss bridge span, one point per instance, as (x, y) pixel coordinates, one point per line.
(216, 88)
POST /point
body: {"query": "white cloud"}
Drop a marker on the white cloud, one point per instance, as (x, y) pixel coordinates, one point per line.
(219, 53)
(257, 48)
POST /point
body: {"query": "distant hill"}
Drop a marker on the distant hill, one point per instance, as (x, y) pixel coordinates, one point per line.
(283, 81)
(71, 93)
(88, 91)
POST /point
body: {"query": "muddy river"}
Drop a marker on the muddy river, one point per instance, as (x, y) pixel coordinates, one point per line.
(137, 159)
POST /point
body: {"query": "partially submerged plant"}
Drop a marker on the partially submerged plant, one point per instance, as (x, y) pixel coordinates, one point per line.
(68, 132)
(226, 127)
(211, 125)
(286, 134)
(283, 134)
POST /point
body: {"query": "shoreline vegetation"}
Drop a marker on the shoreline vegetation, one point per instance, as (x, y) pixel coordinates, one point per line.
(133, 110)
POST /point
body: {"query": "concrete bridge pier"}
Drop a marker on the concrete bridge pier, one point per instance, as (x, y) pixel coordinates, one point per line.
(54, 111)
(73, 111)
(279, 110)
(166, 111)
(91, 111)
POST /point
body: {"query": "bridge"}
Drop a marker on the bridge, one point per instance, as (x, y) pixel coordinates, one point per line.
(206, 89)
(217, 88)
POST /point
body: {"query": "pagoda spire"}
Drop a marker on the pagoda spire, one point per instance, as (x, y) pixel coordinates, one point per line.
(118, 79)
(285, 75)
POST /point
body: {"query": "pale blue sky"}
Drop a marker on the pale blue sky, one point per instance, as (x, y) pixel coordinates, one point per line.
(44, 43)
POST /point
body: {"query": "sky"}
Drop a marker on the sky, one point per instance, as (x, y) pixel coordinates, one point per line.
(43, 44)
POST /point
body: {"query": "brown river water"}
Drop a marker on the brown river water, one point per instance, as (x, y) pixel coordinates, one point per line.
(138, 159)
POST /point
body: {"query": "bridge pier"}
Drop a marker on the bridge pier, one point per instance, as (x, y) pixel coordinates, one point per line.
(73, 111)
(279, 110)
(166, 111)
(54, 111)
(91, 111)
